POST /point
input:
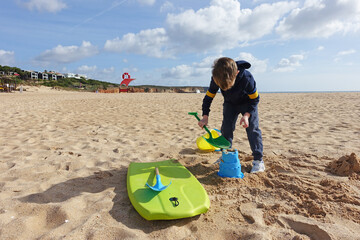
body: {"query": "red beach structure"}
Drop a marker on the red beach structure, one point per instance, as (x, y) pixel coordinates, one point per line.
(125, 83)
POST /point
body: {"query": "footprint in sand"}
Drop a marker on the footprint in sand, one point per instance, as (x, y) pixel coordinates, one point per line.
(252, 214)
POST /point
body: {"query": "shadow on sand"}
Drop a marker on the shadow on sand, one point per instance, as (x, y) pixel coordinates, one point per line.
(122, 210)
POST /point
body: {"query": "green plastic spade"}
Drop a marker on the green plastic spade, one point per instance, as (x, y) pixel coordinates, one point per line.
(219, 142)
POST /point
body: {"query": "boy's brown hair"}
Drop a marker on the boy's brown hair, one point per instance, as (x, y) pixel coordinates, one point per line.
(224, 72)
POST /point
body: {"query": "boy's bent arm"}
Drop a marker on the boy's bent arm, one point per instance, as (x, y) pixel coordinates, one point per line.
(210, 94)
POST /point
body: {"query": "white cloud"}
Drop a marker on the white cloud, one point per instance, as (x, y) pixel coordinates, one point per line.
(86, 69)
(340, 55)
(184, 74)
(320, 48)
(130, 70)
(257, 66)
(7, 57)
(94, 73)
(321, 18)
(347, 52)
(224, 24)
(167, 7)
(199, 72)
(289, 64)
(151, 42)
(147, 2)
(67, 54)
(45, 5)
(109, 70)
(179, 72)
(207, 62)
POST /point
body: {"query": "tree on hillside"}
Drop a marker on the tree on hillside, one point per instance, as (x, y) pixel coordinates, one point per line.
(7, 69)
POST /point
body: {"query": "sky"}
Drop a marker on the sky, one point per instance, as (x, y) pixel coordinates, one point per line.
(298, 45)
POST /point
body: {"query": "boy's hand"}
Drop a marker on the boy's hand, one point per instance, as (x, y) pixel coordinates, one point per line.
(203, 121)
(245, 120)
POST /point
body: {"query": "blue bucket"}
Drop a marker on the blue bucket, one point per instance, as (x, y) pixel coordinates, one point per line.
(230, 165)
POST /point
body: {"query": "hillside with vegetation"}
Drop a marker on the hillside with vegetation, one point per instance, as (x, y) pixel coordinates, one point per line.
(78, 84)
(82, 84)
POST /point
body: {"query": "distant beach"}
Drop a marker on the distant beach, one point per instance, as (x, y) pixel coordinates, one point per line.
(64, 160)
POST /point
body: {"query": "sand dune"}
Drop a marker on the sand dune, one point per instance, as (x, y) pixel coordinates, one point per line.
(64, 159)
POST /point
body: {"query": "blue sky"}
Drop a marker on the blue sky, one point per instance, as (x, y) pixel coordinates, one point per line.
(299, 45)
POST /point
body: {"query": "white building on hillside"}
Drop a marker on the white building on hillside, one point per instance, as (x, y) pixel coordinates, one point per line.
(75, 75)
(70, 75)
(34, 75)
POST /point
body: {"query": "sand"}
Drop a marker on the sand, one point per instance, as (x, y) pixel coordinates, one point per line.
(64, 159)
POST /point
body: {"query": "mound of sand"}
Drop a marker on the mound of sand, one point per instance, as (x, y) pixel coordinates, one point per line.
(346, 165)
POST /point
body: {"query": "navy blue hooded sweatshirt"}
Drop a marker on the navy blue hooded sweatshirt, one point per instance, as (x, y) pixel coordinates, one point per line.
(243, 92)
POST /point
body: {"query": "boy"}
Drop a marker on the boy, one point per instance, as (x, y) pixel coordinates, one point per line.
(238, 88)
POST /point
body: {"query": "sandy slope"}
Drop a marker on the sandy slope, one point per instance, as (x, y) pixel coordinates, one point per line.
(64, 159)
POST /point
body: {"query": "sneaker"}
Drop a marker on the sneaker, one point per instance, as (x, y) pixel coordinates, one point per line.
(258, 166)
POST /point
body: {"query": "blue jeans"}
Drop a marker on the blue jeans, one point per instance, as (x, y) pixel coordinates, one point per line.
(230, 116)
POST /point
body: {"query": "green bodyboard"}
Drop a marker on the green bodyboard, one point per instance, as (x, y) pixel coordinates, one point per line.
(192, 198)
